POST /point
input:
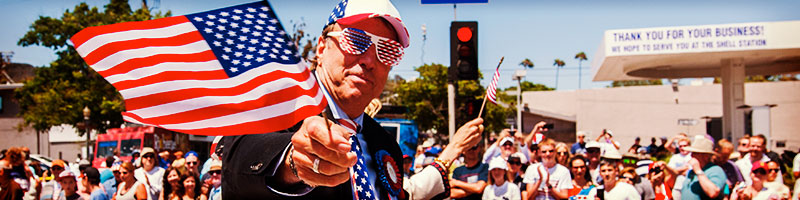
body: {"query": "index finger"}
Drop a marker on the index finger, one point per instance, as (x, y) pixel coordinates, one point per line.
(330, 135)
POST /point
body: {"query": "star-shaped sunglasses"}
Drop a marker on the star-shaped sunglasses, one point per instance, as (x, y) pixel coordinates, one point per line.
(356, 41)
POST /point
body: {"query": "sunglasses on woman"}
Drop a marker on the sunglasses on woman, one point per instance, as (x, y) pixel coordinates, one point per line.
(356, 41)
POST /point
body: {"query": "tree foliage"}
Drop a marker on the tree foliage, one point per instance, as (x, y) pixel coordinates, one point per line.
(59, 92)
(636, 83)
(426, 99)
(527, 63)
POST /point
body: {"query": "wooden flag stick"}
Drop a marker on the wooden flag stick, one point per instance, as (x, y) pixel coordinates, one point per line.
(487, 91)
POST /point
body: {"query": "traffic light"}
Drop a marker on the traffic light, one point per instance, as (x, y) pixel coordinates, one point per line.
(472, 108)
(464, 49)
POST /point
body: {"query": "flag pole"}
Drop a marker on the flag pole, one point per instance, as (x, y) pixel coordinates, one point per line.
(487, 91)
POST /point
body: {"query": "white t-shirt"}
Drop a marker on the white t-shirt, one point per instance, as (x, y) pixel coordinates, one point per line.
(621, 191)
(155, 178)
(796, 162)
(503, 192)
(679, 160)
(559, 178)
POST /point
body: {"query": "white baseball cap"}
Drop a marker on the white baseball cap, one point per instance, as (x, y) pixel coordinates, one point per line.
(498, 163)
(351, 11)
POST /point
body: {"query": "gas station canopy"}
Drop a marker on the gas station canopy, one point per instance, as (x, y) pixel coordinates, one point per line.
(696, 51)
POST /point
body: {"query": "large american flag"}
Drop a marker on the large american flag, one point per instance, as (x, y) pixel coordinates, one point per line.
(228, 71)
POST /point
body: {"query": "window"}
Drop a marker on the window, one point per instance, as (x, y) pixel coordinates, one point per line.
(128, 146)
(106, 148)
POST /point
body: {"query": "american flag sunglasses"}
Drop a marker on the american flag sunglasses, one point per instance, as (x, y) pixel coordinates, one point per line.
(356, 41)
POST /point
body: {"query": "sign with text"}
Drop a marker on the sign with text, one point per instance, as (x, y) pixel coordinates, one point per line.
(452, 1)
(705, 38)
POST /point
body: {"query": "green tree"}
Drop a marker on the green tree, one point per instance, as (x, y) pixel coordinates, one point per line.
(635, 83)
(559, 64)
(426, 99)
(580, 57)
(527, 63)
(59, 92)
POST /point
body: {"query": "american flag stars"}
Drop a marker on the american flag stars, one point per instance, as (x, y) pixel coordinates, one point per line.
(249, 34)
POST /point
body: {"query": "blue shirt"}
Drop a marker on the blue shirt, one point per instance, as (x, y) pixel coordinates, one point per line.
(578, 148)
(111, 187)
(473, 174)
(98, 195)
(691, 186)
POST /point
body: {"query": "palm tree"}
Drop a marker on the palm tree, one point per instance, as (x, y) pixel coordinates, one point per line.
(527, 63)
(559, 64)
(581, 57)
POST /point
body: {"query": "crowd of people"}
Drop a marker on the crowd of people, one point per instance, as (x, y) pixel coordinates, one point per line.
(152, 176)
(517, 166)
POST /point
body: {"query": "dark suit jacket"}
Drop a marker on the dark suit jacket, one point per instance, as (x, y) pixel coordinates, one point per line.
(249, 162)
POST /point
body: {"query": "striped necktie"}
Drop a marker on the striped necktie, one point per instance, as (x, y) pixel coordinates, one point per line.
(359, 178)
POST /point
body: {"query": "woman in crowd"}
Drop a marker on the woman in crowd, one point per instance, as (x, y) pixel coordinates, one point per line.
(191, 187)
(515, 162)
(499, 187)
(562, 154)
(130, 188)
(775, 182)
(171, 184)
(581, 180)
(756, 190)
(663, 179)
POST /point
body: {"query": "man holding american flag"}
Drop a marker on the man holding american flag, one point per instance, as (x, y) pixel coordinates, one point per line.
(348, 155)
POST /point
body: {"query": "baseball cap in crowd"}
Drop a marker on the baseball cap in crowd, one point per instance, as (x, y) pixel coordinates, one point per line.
(434, 150)
(59, 163)
(759, 165)
(498, 163)
(701, 145)
(518, 156)
(65, 174)
(593, 144)
(147, 150)
(612, 153)
(350, 11)
(215, 165)
(506, 140)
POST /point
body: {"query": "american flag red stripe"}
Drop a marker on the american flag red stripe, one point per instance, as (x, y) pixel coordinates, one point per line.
(491, 92)
(171, 77)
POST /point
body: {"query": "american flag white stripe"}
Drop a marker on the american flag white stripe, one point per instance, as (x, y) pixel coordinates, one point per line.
(155, 65)
(143, 72)
(165, 32)
(492, 90)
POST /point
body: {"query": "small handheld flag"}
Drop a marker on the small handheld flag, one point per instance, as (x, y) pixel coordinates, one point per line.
(229, 71)
(492, 89)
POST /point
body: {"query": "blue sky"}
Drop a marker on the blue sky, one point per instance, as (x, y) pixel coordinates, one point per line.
(541, 30)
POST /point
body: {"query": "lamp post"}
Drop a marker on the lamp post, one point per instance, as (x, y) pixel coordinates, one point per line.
(86, 113)
(518, 76)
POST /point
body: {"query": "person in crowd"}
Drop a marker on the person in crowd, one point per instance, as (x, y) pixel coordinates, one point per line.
(672, 144)
(562, 154)
(499, 186)
(470, 179)
(165, 159)
(151, 174)
(678, 161)
(111, 184)
(757, 189)
(408, 163)
(581, 179)
(775, 182)
(593, 153)
(9, 189)
(548, 179)
(606, 139)
(579, 147)
(723, 151)
(663, 180)
(613, 189)
(652, 148)
(91, 181)
(171, 184)
(515, 162)
(532, 141)
(57, 166)
(643, 186)
(192, 162)
(757, 149)
(636, 145)
(129, 188)
(191, 187)
(69, 187)
(742, 149)
(136, 158)
(705, 180)
(215, 182)
(503, 148)
(19, 173)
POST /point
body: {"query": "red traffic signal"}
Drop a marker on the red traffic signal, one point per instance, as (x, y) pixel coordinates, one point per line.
(464, 49)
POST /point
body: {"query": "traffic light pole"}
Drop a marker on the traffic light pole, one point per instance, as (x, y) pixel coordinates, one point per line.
(451, 109)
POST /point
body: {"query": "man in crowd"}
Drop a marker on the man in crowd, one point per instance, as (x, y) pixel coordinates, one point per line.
(150, 174)
(757, 149)
(502, 148)
(57, 166)
(593, 153)
(8, 188)
(192, 162)
(110, 185)
(612, 188)
(470, 179)
(652, 148)
(216, 180)
(724, 149)
(91, 181)
(635, 147)
(706, 180)
(678, 161)
(742, 149)
(548, 179)
(775, 182)
(580, 143)
(757, 189)
(606, 139)
(313, 159)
